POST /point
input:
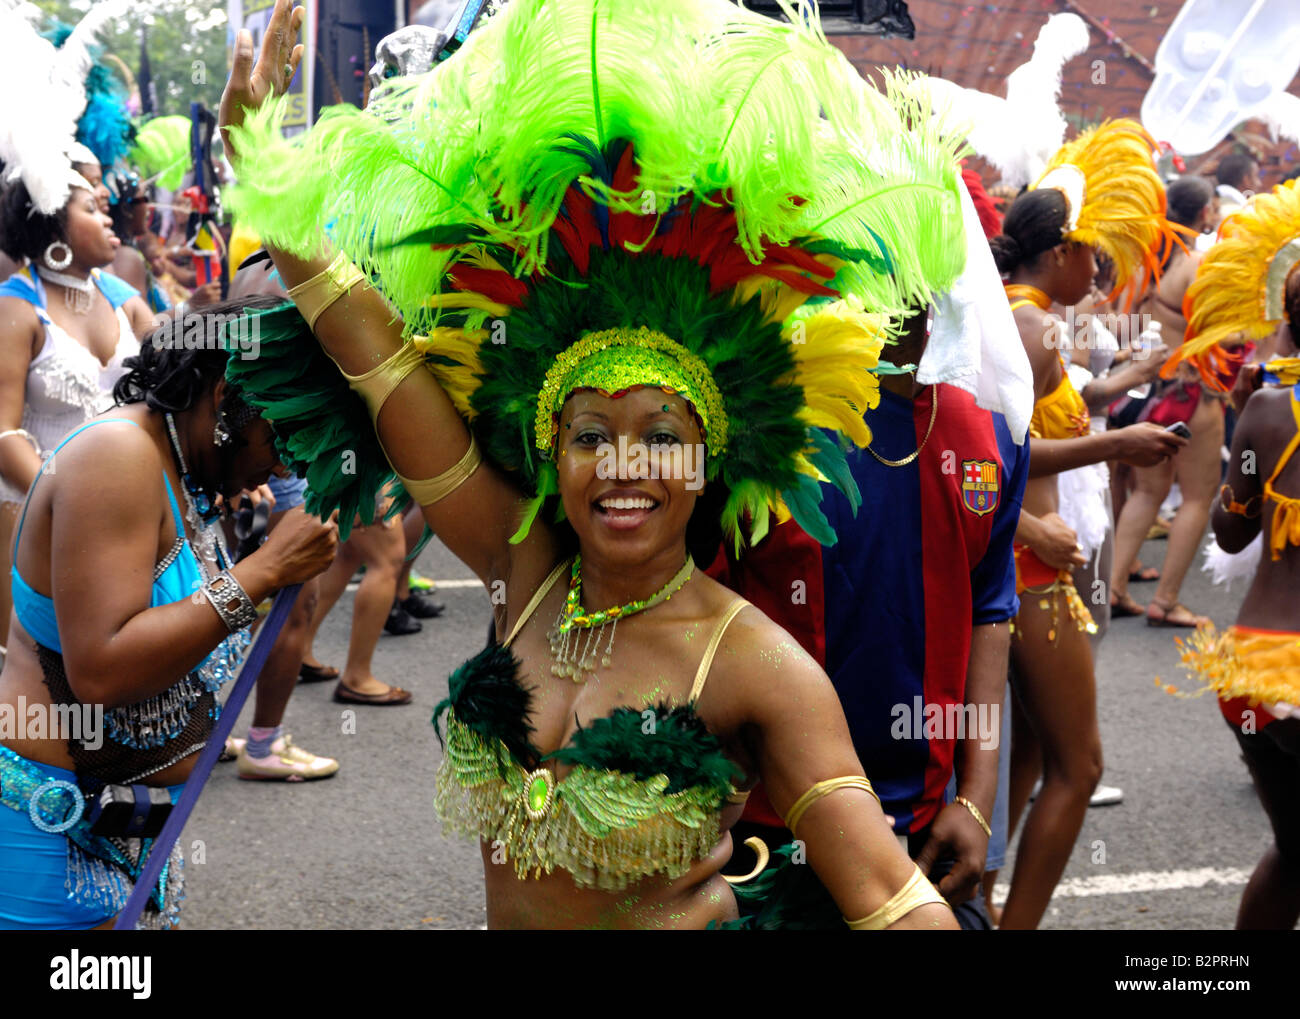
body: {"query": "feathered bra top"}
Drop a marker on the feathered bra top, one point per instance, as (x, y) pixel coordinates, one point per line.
(641, 798)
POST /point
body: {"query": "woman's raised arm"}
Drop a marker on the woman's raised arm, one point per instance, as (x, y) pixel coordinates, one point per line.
(472, 507)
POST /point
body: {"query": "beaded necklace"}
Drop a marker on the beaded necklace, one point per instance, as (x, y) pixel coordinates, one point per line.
(580, 665)
(200, 517)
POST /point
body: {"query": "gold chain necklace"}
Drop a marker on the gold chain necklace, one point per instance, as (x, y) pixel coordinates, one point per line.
(934, 412)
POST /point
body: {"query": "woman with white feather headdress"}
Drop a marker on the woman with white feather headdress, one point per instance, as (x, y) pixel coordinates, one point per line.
(68, 325)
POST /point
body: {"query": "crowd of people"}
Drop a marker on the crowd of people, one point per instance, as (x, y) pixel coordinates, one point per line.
(762, 386)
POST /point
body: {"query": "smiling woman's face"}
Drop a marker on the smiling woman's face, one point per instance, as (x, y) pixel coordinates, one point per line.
(603, 450)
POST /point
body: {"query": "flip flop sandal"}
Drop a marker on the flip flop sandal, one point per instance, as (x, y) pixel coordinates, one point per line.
(1146, 573)
(1126, 606)
(1190, 622)
(312, 674)
(394, 695)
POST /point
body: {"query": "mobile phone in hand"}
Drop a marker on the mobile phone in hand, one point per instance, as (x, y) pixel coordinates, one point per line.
(1179, 428)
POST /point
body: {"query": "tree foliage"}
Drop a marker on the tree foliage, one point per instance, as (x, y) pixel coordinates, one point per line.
(187, 45)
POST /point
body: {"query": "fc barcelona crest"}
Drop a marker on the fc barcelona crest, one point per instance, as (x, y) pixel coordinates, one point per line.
(979, 486)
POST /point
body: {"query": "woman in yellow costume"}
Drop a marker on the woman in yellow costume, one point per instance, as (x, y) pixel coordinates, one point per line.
(1249, 285)
(1099, 191)
(623, 251)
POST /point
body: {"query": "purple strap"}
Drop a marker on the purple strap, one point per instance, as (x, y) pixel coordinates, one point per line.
(171, 831)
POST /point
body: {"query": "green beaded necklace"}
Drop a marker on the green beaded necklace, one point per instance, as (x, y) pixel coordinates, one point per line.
(580, 665)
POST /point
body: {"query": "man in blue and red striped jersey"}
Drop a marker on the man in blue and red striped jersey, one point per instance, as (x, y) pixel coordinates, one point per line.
(909, 614)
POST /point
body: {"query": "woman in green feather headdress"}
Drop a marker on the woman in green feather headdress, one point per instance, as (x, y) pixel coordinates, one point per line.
(611, 282)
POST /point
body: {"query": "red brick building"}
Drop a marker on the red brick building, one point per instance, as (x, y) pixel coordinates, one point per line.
(978, 44)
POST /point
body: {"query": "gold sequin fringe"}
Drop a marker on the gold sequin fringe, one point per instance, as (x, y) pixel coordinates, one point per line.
(606, 828)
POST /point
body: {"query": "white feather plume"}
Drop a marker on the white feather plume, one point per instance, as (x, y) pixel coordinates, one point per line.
(1225, 568)
(1020, 133)
(48, 94)
(1281, 114)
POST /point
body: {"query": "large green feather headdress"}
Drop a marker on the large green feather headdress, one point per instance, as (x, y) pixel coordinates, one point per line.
(591, 192)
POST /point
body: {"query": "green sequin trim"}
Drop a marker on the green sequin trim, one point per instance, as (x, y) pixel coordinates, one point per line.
(605, 828)
(613, 360)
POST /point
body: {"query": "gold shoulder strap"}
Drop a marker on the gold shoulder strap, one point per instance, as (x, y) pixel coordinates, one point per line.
(702, 673)
(536, 599)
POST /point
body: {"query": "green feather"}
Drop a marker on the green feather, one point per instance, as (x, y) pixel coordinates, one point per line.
(677, 745)
(487, 695)
(322, 429)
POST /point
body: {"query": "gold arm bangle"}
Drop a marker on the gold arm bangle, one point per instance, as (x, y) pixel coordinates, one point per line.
(431, 490)
(821, 789)
(917, 892)
(377, 385)
(975, 813)
(326, 287)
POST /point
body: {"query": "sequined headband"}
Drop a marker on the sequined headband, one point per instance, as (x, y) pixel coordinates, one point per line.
(614, 360)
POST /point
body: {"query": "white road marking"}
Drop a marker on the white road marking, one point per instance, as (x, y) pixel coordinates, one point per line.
(442, 585)
(1140, 881)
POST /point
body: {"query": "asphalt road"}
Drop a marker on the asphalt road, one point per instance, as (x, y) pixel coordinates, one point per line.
(363, 849)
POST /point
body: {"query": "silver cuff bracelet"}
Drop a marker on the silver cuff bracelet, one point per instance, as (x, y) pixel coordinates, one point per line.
(230, 600)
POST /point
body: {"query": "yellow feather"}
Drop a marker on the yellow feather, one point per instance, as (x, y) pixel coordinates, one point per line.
(1123, 210)
(835, 350)
(1227, 297)
(460, 380)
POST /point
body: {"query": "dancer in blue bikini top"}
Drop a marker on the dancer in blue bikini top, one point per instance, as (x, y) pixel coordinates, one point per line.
(129, 616)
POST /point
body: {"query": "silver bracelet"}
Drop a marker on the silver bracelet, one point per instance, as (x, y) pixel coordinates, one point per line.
(25, 434)
(231, 601)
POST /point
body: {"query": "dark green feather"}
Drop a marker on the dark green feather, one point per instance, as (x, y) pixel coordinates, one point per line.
(675, 743)
(487, 696)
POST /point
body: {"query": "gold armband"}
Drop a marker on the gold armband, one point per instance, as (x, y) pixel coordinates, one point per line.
(326, 287)
(430, 490)
(377, 385)
(917, 892)
(821, 789)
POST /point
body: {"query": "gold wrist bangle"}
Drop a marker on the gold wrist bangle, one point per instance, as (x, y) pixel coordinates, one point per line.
(430, 490)
(821, 789)
(377, 385)
(975, 813)
(326, 287)
(916, 893)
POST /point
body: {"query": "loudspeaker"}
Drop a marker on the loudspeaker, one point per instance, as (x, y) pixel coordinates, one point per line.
(346, 35)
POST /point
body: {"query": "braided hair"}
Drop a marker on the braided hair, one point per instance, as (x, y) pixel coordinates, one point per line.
(171, 376)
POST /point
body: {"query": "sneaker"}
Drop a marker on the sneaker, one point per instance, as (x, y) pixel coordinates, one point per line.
(1106, 796)
(419, 582)
(421, 605)
(231, 751)
(285, 763)
(400, 622)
